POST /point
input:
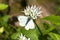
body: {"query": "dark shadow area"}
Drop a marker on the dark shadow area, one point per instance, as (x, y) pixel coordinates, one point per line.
(23, 3)
(12, 20)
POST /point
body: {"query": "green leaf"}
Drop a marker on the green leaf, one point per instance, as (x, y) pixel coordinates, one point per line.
(54, 36)
(3, 6)
(33, 34)
(53, 19)
(1, 29)
(44, 27)
(15, 36)
(5, 18)
(48, 28)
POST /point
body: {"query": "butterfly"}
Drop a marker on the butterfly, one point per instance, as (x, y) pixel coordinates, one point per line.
(26, 22)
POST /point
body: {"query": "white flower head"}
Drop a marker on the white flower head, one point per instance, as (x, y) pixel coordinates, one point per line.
(22, 37)
(33, 11)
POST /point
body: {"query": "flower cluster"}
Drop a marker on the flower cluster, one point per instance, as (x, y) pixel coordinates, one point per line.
(21, 37)
(32, 11)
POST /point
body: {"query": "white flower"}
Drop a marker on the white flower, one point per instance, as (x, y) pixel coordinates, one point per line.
(21, 37)
(33, 11)
(27, 10)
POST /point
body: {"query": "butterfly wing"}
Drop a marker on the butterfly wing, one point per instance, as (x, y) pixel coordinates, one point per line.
(22, 20)
(30, 25)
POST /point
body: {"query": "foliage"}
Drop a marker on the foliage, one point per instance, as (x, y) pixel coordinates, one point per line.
(3, 6)
(1, 29)
(54, 36)
(54, 19)
(47, 28)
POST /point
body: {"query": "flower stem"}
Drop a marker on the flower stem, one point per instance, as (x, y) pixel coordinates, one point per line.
(37, 26)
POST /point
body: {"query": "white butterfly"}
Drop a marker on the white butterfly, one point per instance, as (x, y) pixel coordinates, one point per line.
(24, 22)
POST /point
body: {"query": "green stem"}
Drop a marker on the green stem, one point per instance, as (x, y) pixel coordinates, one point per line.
(37, 27)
